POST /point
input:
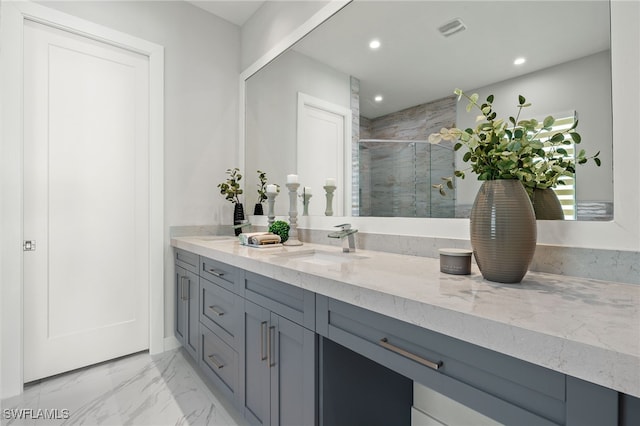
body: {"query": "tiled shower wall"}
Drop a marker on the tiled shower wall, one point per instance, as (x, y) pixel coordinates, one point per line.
(395, 178)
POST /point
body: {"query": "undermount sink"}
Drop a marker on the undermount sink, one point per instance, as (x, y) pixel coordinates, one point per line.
(320, 257)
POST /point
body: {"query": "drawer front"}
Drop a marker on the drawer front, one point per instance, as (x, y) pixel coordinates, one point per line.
(430, 358)
(220, 311)
(186, 260)
(219, 273)
(293, 303)
(219, 362)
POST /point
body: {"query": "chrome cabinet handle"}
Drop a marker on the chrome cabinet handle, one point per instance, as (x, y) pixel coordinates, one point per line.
(263, 331)
(384, 342)
(270, 342)
(217, 311)
(182, 288)
(216, 273)
(215, 362)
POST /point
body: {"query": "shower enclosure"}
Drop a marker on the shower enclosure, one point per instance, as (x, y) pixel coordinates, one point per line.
(395, 177)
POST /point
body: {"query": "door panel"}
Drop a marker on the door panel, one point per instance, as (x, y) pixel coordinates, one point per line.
(293, 390)
(256, 370)
(182, 309)
(85, 201)
(323, 138)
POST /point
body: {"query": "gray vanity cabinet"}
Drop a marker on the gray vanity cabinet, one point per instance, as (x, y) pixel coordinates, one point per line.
(220, 330)
(287, 356)
(186, 297)
(509, 390)
(279, 354)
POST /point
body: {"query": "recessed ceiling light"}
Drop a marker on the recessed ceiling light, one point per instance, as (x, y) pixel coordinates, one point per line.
(374, 44)
(378, 98)
(519, 61)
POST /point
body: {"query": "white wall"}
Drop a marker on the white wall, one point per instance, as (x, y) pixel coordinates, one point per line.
(575, 85)
(271, 108)
(271, 23)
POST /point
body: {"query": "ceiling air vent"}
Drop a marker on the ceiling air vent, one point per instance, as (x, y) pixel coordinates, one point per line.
(452, 27)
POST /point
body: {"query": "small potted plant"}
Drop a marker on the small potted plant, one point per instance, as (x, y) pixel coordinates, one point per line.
(230, 188)
(262, 193)
(281, 228)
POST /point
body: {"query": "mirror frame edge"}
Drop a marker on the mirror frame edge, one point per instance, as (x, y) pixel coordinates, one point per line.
(623, 233)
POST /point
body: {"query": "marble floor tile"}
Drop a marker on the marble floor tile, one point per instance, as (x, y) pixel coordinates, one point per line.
(136, 390)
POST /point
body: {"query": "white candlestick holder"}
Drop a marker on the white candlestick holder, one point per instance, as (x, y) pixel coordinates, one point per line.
(293, 215)
(305, 204)
(330, 189)
(271, 200)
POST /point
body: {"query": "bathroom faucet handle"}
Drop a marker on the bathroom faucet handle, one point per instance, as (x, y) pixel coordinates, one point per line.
(344, 226)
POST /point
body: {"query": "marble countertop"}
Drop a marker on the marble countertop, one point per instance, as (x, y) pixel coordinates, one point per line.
(585, 328)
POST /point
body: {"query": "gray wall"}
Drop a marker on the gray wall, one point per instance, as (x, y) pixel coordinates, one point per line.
(271, 107)
(569, 86)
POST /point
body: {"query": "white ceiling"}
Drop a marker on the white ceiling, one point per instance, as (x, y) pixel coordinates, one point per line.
(235, 11)
(416, 64)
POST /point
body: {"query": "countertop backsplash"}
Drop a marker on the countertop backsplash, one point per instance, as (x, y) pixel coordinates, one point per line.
(610, 265)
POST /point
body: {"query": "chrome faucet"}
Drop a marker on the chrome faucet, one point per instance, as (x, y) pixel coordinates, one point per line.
(347, 235)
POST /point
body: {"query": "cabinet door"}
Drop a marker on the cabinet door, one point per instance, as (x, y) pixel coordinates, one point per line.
(292, 358)
(181, 305)
(187, 310)
(255, 374)
(192, 342)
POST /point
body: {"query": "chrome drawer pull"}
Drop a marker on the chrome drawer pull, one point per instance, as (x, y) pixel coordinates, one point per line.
(263, 331)
(215, 362)
(270, 343)
(216, 273)
(216, 310)
(384, 342)
(182, 288)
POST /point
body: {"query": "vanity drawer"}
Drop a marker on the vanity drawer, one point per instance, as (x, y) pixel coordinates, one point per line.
(219, 273)
(219, 362)
(495, 384)
(186, 260)
(294, 303)
(220, 311)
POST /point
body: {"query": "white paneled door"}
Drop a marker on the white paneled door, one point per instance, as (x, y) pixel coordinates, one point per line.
(86, 201)
(324, 151)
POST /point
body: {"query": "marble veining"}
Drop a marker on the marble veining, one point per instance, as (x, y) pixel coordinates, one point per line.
(135, 390)
(583, 327)
(602, 264)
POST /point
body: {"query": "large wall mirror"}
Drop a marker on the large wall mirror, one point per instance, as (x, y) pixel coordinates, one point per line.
(393, 96)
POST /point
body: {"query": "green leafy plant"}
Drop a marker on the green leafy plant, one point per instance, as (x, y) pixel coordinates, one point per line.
(512, 149)
(230, 188)
(280, 227)
(262, 186)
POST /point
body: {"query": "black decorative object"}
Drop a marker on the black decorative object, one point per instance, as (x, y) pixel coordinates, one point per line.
(238, 217)
(257, 210)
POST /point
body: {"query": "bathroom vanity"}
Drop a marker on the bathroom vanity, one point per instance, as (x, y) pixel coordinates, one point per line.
(309, 335)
